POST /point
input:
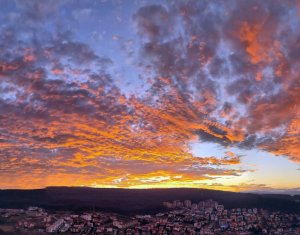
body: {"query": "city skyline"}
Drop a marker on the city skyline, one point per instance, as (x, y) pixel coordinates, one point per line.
(182, 217)
(150, 94)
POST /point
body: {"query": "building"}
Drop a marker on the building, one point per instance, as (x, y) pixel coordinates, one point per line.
(55, 227)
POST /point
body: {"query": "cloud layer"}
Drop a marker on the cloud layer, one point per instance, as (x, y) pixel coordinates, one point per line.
(226, 73)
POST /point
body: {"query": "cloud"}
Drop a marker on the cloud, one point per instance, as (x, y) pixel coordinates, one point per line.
(58, 123)
(35, 11)
(225, 73)
(231, 54)
(154, 22)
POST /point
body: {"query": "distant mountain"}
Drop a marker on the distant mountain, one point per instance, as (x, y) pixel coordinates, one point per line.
(130, 201)
(292, 192)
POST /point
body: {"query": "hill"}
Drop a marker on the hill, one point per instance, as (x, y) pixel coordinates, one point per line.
(130, 201)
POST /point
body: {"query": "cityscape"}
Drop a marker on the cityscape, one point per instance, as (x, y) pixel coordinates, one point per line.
(150, 117)
(181, 217)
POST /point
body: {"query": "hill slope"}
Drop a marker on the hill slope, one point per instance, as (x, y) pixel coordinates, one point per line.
(136, 200)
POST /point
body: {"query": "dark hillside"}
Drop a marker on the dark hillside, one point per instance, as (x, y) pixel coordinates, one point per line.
(136, 200)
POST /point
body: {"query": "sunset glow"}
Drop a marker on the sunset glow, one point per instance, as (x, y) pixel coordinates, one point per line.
(150, 94)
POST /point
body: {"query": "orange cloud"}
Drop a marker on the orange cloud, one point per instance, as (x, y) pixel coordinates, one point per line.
(249, 34)
(200, 78)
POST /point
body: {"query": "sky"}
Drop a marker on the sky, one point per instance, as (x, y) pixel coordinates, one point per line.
(150, 94)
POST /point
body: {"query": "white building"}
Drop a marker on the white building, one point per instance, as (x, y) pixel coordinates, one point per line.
(54, 227)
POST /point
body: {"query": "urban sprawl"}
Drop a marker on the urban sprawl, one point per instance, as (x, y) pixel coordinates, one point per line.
(203, 218)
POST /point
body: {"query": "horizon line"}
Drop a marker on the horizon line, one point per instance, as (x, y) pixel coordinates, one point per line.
(275, 191)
